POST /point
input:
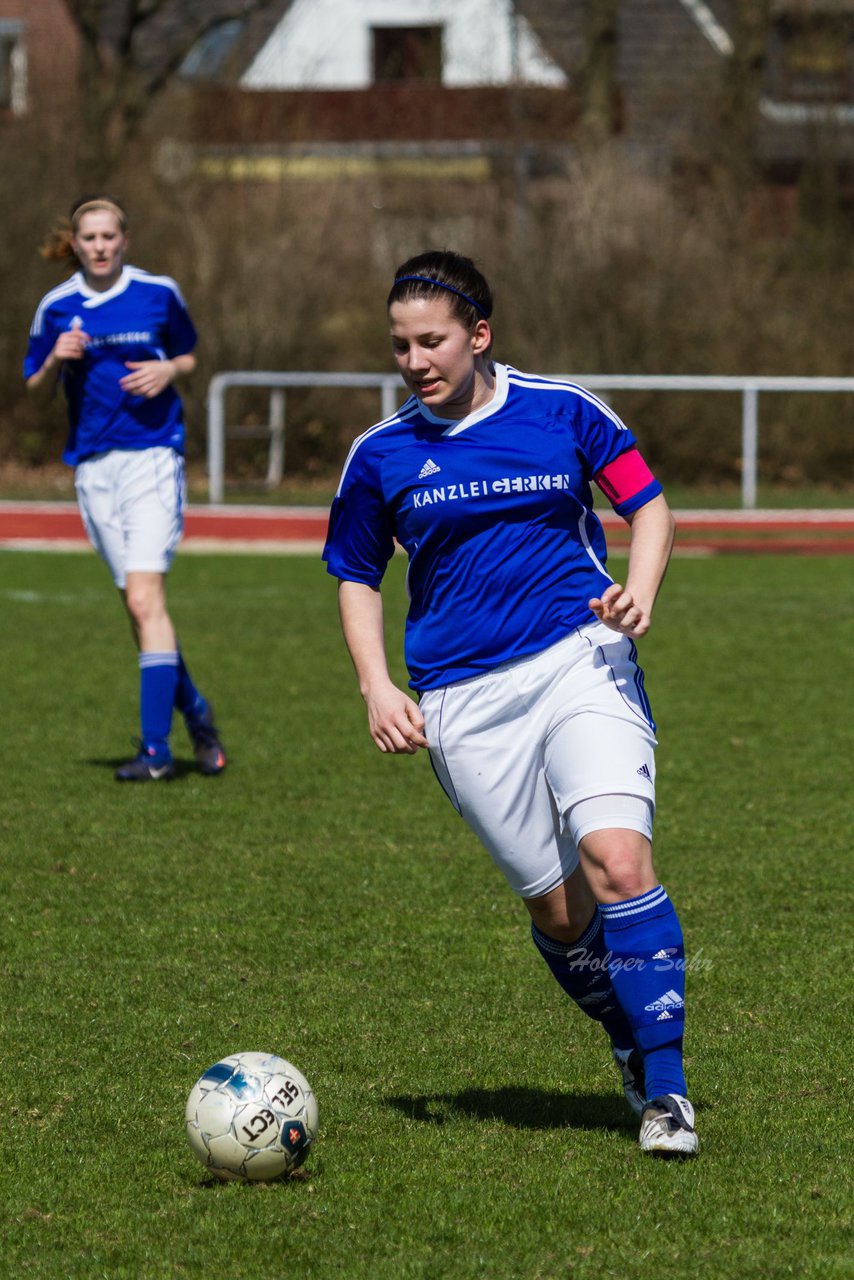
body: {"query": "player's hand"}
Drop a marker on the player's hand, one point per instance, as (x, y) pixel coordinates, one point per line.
(147, 377)
(395, 721)
(617, 609)
(72, 344)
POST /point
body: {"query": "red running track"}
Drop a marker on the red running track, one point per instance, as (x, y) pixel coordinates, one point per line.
(56, 525)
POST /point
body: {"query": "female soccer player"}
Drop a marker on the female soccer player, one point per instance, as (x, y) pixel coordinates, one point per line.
(520, 647)
(117, 339)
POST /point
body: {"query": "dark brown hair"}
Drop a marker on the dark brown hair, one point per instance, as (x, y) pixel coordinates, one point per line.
(442, 273)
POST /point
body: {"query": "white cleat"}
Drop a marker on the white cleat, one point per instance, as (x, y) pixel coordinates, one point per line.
(630, 1066)
(667, 1127)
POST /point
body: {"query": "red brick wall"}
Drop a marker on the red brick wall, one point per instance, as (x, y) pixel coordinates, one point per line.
(51, 44)
(383, 114)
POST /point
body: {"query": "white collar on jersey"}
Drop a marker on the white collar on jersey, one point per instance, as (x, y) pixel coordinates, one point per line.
(93, 297)
(499, 395)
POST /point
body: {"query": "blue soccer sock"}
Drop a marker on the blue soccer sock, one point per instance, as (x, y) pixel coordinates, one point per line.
(647, 966)
(188, 700)
(581, 968)
(158, 673)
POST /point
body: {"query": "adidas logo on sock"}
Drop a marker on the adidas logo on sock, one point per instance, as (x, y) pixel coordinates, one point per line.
(429, 469)
(670, 1000)
(665, 953)
(664, 1017)
(594, 998)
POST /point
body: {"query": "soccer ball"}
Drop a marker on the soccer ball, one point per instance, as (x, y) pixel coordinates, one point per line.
(251, 1117)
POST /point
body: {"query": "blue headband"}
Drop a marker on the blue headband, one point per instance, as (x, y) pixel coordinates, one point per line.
(449, 287)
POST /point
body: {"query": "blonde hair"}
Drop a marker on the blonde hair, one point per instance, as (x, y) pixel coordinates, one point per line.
(57, 245)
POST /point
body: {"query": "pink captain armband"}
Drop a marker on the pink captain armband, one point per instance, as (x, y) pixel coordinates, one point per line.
(625, 477)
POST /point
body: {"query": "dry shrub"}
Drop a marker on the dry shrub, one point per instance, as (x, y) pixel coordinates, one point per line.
(605, 267)
(634, 274)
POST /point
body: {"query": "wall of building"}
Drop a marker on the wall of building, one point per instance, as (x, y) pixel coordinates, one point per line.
(327, 44)
(47, 59)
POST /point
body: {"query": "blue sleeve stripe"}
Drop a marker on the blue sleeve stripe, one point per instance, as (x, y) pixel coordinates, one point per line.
(638, 500)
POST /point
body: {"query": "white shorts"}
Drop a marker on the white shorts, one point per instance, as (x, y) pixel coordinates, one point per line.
(520, 751)
(132, 505)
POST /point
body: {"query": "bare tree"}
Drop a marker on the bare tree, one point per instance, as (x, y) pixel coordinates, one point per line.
(600, 105)
(742, 83)
(130, 52)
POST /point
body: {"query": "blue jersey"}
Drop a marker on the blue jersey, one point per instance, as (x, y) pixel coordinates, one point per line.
(495, 514)
(142, 317)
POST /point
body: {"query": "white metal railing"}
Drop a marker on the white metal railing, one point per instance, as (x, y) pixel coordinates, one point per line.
(391, 390)
(389, 386)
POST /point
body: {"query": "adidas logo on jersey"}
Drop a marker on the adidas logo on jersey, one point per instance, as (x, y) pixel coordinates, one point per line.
(670, 1000)
(429, 469)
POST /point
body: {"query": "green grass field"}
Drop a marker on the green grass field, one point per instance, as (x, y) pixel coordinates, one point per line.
(324, 902)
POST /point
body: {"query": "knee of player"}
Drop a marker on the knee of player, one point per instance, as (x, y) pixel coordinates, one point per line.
(144, 601)
(559, 921)
(619, 864)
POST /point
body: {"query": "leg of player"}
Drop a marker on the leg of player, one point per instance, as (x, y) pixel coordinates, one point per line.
(145, 600)
(566, 926)
(199, 718)
(164, 673)
(647, 964)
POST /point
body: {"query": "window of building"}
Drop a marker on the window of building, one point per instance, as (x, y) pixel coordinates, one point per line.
(404, 54)
(209, 55)
(13, 67)
(814, 57)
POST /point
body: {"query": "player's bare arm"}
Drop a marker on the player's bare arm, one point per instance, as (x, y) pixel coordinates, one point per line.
(394, 719)
(628, 609)
(149, 378)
